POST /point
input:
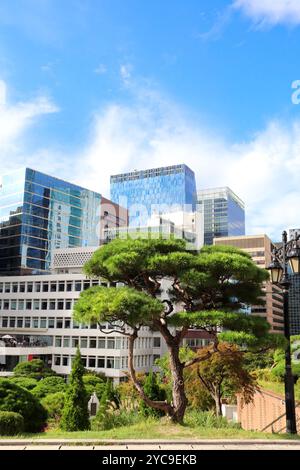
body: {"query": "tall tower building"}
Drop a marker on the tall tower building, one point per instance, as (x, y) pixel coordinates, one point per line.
(40, 213)
(223, 212)
(154, 191)
(260, 248)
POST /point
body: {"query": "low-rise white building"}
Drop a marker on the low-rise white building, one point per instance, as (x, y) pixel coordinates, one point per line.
(36, 322)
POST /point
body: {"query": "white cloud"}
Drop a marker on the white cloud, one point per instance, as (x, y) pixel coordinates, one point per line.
(271, 12)
(263, 171)
(101, 69)
(125, 73)
(153, 131)
(15, 120)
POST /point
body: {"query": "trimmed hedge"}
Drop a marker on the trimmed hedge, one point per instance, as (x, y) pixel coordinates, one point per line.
(20, 400)
(11, 423)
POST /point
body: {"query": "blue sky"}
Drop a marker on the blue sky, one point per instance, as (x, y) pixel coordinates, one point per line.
(114, 85)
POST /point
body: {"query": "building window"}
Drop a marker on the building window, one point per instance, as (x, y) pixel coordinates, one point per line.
(52, 286)
(36, 304)
(5, 304)
(43, 322)
(51, 323)
(59, 323)
(156, 342)
(45, 286)
(66, 341)
(110, 363)
(4, 322)
(75, 342)
(44, 305)
(67, 323)
(30, 287)
(27, 322)
(37, 287)
(7, 288)
(21, 305)
(28, 304)
(68, 304)
(13, 305)
(35, 322)
(77, 286)
(12, 322)
(52, 305)
(101, 343)
(60, 304)
(65, 361)
(92, 362)
(69, 286)
(93, 343)
(83, 342)
(22, 287)
(110, 343)
(20, 322)
(57, 360)
(57, 341)
(101, 363)
(61, 286)
(15, 287)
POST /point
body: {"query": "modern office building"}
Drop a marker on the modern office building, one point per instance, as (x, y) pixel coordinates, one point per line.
(260, 248)
(223, 211)
(40, 213)
(154, 191)
(186, 226)
(36, 322)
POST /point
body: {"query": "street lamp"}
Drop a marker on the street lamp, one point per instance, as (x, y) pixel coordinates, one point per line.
(288, 253)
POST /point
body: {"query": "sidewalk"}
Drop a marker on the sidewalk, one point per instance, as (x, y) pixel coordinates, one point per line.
(148, 444)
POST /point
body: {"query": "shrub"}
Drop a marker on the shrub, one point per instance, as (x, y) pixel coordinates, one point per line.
(92, 384)
(208, 419)
(17, 399)
(49, 385)
(35, 369)
(153, 391)
(24, 382)
(54, 403)
(11, 423)
(113, 418)
(75, 415)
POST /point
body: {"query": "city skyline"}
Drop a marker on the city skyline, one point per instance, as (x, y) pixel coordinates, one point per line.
(81, 82)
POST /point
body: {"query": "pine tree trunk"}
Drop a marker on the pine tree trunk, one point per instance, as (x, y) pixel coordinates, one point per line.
(180, 402)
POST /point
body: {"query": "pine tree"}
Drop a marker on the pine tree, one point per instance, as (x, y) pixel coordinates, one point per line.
(154, 392)
(75, 415)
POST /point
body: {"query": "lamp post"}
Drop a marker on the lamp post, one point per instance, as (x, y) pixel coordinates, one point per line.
(288, 253)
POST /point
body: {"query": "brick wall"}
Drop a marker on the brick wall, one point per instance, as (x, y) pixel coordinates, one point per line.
(266, 413)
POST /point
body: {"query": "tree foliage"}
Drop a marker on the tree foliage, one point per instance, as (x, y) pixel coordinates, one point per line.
(49, 385)
(75, 416)
(19, 400)
(154, 391)
(35, 369)
(211, 287)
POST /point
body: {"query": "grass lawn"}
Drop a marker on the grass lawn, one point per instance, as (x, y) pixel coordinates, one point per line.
(151, 429)
(278, 387)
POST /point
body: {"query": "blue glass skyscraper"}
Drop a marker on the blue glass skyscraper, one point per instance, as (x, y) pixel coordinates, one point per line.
(223, 213)
(39, 213)
(157, 190)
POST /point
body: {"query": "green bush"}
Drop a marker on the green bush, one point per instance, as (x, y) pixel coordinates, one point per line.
(92, 384)
(208, 419)
(19, 400)
(54, 403)
(75, 415)
(35, 369)
(24, 382)
(115, 418)
(49, 385)
(11, 423)
(156, 393)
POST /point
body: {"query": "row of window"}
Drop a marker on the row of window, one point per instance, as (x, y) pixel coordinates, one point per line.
(37, 304)
(104, 343)
(49, 286)
(106, 362)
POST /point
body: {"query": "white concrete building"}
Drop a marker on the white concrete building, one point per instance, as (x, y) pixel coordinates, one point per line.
(36, 322)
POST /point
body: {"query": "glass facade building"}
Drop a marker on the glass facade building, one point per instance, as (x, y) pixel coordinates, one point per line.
(223, 213)
(154, 191)
(39, 213)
